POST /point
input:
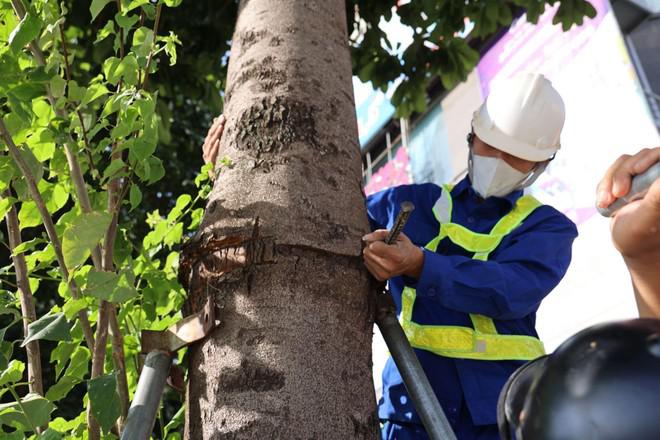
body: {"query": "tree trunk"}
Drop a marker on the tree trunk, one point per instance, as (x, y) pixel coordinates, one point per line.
(279, 248)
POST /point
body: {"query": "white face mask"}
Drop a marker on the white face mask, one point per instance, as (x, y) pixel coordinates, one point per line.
(491, 176)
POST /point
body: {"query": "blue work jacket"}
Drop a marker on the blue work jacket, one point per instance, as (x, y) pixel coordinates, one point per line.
(509, 287)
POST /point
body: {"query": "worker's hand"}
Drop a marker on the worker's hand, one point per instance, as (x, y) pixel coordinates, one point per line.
(400, 258)
(212, 141)
(635, 227)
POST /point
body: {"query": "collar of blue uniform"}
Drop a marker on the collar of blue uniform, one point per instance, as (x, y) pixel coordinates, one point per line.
(465, 185)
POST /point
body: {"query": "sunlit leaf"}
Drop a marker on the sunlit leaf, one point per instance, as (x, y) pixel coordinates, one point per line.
(97, 6)
(13, 372)
(83, 234)
(37, 412)
(27, 30)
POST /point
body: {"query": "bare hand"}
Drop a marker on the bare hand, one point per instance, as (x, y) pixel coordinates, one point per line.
(387, 261)
(212, 141)
(635, 227)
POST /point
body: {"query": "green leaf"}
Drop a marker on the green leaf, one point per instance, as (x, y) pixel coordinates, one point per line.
(101, 284)
(83, 234)
(56, 196)
(143, 40)
(104, 400)
(57, 86)
(105, 32)
(97, 6)
(61, 355)
(51, 327)
(135, 4)
(76, 92)
(156, 170)
(63, 425)
(114, 170)
(27, 245)
(126, 22)
(196, 218)
(13, 373)
(42, 144)
(29, 216)
(73, 306)
(28, 91)
(94, 92)
(27, 30)
(174, 235)
(114, 69)
(181, 203)
(170, 46)
(34, 166)
(61, 388)
(37, 408)
(142, 149)
(79, 365)
(8, 171)
(19, 108)
(110, 286)
(176, 421)
(135, 197)
(50, 434)
(172, 3)
(5, 206)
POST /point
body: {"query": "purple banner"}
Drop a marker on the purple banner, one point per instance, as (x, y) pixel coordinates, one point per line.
(527, 47)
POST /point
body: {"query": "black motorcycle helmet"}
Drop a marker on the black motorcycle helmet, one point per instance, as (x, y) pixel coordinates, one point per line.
(601, 384)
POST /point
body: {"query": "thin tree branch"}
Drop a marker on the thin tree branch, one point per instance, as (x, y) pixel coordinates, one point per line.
(98, 360)
(48, 224)
(151, 52)
(120, 367)
(67, 71)
(72, 160)
(121, 34)
(27, 300)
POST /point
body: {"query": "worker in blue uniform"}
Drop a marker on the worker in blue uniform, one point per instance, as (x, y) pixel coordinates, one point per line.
(474, 262)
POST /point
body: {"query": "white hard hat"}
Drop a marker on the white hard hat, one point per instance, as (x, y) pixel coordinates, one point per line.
(522, 116)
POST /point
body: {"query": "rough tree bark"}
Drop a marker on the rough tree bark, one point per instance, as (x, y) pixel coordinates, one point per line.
(279, 246)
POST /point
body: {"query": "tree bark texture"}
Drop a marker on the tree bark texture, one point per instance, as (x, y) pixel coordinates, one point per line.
(279, 248)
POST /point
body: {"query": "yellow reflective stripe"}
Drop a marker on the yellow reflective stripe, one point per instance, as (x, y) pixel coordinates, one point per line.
(483, 324)
(407, 301)
(465, 343)
(524, 206)
(483, 342)
(471, 241)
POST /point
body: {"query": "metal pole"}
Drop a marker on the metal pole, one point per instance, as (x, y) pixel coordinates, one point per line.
(142, 413)
(426, 403)
(418, 386)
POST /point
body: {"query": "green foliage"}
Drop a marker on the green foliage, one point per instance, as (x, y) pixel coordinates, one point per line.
(437, 50)
(82, 101)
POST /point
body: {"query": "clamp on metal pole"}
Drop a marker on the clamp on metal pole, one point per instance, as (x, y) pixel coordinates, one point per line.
(161, 347)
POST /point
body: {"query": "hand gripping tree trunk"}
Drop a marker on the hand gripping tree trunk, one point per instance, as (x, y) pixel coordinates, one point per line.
(279, 247)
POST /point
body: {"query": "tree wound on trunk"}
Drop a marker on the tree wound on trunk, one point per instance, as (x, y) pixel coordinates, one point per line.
(274, 124)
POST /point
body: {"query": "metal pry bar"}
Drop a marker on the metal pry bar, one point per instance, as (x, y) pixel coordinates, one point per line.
(401, 219)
